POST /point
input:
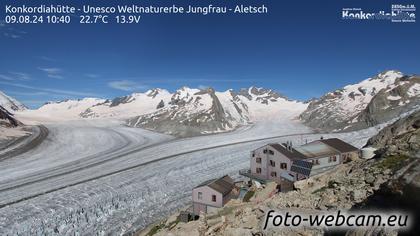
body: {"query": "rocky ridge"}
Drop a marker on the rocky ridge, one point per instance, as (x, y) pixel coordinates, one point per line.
(368, 103)
(10, 103)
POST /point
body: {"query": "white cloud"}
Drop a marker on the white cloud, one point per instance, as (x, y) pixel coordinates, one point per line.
(11, 35)
(50, 90)
(52, 72)
(27, 93)
(10, 32)
(6, 77)
(126, 85)
(55, 76)
(20, 75)
(12, 76)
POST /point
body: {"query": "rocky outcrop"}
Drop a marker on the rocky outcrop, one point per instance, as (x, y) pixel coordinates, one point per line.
(373, 101)
(399, 150)
(262, 95)
(400, 138)
(160, 105)
(7, 119)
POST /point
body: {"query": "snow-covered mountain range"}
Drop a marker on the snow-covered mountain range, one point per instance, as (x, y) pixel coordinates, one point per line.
(367, 103)
(185, 112)
(190, 111)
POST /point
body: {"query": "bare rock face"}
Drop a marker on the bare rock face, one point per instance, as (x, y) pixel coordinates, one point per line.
(160, 105)
(400, 138)
(7, 119)
(119, 100)
(373, 101)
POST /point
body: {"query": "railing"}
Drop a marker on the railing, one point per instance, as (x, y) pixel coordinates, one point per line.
(247, 173)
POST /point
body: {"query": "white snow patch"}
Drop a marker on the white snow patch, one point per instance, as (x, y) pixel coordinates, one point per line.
(414, 90)
(393, 98)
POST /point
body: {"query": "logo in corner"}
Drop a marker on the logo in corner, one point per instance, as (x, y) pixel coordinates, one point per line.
(398, 13)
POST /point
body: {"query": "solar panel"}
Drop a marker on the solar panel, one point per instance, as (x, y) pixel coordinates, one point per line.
(302, 163)
(301, 167)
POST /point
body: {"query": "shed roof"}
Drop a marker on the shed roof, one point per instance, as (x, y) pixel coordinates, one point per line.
(223, 185)
(292, 154)
(339, 145)
(286, 176)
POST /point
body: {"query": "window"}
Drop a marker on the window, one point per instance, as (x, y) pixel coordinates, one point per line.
(273, 174)
(283, 166)
(200, 196)
(258, 160)
(332, 159)
(213, 198)
(272, 163)
(258, 170)
(315, 162)
(270, 152)
(253, 154)
(265, 151)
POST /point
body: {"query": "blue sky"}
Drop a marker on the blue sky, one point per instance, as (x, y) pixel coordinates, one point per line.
(300, 48)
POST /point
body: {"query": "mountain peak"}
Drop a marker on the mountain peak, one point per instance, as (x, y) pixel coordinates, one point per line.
(156, 91)
(10, 103)
(389, 75)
